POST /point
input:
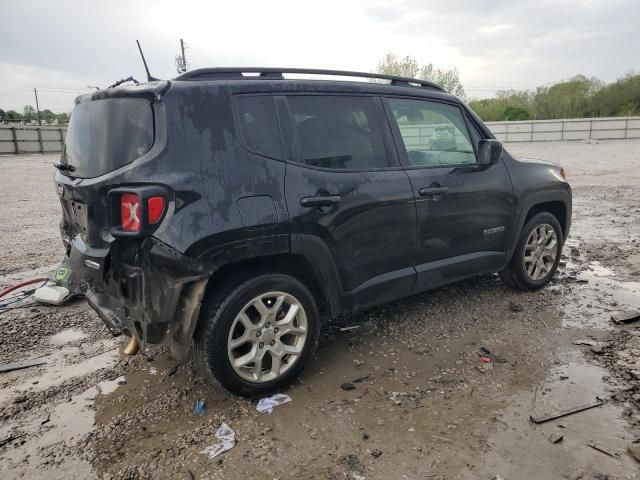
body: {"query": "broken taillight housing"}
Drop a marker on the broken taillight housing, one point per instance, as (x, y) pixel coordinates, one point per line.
(130, 212)
(137, 210)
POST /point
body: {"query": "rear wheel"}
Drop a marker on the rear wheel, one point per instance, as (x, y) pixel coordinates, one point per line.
(257, 337)
(537, 254)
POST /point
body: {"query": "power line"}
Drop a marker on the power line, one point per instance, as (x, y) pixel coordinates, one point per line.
(15, 92)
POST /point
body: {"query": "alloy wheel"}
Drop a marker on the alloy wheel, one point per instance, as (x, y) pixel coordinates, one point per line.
(267, 337)
(540, 251)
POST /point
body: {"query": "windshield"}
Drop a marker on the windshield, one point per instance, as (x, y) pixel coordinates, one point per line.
(104, 135)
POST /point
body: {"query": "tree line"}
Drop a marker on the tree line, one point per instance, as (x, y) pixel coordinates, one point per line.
(29, 115)
(577, 97)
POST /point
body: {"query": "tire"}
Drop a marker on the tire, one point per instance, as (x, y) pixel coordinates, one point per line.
(221, 313)
(518, 274)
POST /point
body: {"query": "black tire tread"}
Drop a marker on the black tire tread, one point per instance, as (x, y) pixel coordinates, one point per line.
(512, 275)
(213, 310)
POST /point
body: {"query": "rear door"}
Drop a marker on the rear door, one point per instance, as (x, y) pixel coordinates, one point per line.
(464, 209)
(345, 188)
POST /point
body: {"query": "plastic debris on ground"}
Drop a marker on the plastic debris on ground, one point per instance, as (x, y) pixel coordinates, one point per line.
(227, 441)
(51, 294)
(60, 288)
(266, 405)
(199, 408)
(347, 329)
(486, 354)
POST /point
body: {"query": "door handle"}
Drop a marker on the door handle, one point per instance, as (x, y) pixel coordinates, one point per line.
(320, 201)
(427, 191)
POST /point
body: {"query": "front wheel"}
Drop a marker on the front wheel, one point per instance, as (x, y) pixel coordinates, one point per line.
(258, 337)
(537, 254)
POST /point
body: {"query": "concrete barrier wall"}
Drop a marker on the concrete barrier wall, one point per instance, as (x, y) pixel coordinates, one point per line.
(27, 139)
(566, 129)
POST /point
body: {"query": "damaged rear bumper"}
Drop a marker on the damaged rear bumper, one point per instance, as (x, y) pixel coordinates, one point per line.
(143, 288)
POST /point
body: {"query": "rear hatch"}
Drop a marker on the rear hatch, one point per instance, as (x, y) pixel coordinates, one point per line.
(107, 131)
(104, 135)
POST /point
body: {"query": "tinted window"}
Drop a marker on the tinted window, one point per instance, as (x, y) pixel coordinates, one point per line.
(106, 134)
(338, 132)
(433, 133)
(259, 124)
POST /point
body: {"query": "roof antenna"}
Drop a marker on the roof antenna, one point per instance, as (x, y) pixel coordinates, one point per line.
(149, 77)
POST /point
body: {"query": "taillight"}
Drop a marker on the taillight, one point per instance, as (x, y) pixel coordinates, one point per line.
(137, 210)
(155, 209)
(130, 212)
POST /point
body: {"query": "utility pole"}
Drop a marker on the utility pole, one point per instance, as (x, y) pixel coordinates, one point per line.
(35, 92)
(184, 59)
(181, 60)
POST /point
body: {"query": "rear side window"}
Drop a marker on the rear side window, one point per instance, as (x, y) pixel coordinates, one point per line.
(338, 132)
(433, 133)
(259, 124)
(104, 135)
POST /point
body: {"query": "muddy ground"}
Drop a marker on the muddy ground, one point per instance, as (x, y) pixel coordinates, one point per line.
(423, 406)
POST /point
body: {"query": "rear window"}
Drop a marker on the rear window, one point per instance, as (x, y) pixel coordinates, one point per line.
(259, 124)
(338, 132)
(104, 135)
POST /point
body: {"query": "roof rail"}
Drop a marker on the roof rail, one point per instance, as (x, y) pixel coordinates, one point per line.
(278, 73)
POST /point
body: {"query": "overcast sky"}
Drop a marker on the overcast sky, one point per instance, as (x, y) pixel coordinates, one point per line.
(62, 47)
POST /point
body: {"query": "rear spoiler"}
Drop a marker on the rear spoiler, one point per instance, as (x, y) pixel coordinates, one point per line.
(151, 91)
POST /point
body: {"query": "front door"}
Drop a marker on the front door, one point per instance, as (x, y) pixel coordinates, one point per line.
(346, 189)
(464, 209)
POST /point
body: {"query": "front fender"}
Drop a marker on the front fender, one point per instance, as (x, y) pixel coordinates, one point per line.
(551, 193)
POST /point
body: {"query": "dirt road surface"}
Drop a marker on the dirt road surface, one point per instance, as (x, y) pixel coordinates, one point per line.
(423, 406)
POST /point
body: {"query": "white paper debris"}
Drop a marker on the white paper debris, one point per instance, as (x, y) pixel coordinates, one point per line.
(265, 405)
(347, 329)
(227, 441)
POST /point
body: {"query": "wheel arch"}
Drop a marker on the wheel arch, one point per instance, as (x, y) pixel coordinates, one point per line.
(297, 266)
(232, 274)
(555, 207)
(556, 201)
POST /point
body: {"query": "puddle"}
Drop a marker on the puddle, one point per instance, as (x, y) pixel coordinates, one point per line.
(516, 437)
(50, 433)
(68, 336)
(109, 386)
(596, 269)
(596, 294)
(48, 438)
(57, 370)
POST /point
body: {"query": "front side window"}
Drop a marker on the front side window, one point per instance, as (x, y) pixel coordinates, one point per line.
(338, 132)
(433, 133)
(259, 124)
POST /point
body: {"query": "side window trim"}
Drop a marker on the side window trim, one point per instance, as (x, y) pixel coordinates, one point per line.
(399, 142)
(387, 136)
(240, 129)
(290, 144)
(393, 160)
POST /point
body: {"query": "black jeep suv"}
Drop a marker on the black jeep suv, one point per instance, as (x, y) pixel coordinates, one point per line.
(233, 209)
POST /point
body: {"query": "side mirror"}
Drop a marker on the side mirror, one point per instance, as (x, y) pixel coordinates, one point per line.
(489, 151)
